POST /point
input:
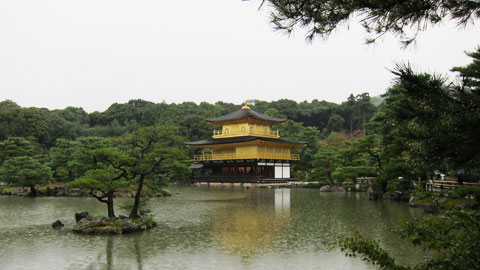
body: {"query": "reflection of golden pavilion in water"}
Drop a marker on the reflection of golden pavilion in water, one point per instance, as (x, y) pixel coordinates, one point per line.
(245, 150)
(249, 230)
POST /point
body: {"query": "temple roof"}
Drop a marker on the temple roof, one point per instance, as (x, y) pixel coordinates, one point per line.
(240, 140)
(244, 113)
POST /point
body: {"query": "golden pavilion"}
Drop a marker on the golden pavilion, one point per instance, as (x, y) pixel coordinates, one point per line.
(245, 150)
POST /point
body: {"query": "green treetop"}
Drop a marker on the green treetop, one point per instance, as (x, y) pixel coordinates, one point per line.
(157, 152)
(110, 174)
(322, 17)
(26, 171)
(23, 164)
(439, 119)
(71, 158)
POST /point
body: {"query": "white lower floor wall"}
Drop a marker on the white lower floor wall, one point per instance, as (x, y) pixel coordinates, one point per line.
(286, 172)
(282, 170)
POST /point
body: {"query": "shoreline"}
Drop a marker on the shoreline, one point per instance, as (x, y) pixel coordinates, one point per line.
(60, 190)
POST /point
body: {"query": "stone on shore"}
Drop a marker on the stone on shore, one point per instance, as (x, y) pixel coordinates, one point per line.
(372, 195)
(337, 189)
(393, 195)
(430, 209)
(325, 188)
(411, 202)
(20, 192)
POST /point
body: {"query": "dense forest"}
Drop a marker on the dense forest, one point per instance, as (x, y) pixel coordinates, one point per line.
(52, 132)
(46, 126)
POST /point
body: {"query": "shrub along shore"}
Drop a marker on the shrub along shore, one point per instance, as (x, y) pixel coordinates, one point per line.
(60, 189)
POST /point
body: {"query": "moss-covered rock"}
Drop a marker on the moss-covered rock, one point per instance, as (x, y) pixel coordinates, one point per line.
(115, 225)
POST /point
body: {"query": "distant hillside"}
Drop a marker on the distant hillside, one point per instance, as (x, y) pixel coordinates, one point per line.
(46, 126)
(377, 100)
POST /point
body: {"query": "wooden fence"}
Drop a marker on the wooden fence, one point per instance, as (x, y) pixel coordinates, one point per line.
(447, 185)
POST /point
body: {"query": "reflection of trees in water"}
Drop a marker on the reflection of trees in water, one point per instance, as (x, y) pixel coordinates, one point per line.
(111, 253)
(320, 215)
(138, 253)
(390, 216)
(343, 212)
(102, 257)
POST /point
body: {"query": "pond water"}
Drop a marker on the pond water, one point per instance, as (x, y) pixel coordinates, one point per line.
(205, 228)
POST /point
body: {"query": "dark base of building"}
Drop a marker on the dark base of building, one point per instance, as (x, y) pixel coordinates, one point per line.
(251, 179)
(242, 171)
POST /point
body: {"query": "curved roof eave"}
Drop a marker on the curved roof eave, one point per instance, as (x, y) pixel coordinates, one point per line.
(241, 139)
(244, 113)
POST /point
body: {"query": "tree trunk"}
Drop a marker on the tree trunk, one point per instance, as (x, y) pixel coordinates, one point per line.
(33, 191)
(330, 178)
(351, 125)
(134, 212)
(111, 212)
(329, 174)
(384, 186)
(363, 124)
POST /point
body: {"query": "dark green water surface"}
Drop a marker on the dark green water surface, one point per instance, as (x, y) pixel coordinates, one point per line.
(205, 228)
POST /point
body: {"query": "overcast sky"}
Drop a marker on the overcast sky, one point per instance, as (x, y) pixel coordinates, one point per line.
(92, 53)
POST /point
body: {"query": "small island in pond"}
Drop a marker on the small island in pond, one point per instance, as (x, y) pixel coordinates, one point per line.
(111, 225)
